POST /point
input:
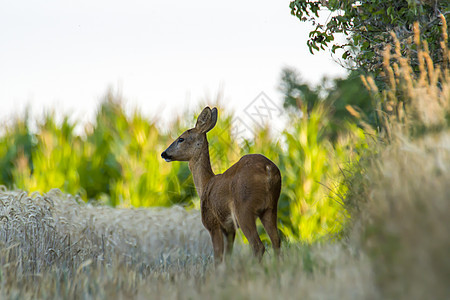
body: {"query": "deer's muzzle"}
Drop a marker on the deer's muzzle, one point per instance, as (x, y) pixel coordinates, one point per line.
(166, 157)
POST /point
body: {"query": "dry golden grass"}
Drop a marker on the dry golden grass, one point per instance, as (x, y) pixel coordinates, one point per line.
(61, 222)
(400, 199)
(53, 247)
(402, 217)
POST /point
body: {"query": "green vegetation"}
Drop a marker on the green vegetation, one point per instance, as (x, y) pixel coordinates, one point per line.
(117, 161)
(368, 24)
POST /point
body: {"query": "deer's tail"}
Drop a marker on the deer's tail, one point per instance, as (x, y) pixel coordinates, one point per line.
(273, 184)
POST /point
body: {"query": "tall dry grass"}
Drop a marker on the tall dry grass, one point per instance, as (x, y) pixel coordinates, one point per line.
(405, 227)
(399, 200)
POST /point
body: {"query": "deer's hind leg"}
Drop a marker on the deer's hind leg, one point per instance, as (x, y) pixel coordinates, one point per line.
(269, 221)
(218, 246)
(247, 222)
(229, 241)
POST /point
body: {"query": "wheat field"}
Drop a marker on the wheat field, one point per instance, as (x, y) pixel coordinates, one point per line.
(55, 246)
(46, 226)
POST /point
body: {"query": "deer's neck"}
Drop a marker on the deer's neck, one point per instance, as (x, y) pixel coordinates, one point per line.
(200, 167)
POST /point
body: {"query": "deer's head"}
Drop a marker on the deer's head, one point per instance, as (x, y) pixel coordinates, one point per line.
(191, 143)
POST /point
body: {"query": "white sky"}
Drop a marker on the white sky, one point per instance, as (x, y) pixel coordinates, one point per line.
(163, 55)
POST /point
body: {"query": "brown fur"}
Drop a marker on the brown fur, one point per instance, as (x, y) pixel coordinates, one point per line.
(247, 190)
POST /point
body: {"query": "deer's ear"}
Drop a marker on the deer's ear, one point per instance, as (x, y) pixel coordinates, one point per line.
(213, 118)
(206, 120)
(203, 119)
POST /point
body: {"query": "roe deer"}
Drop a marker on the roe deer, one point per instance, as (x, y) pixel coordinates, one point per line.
(247, 190)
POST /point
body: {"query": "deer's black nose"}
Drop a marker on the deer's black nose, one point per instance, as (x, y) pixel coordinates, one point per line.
(165, 156)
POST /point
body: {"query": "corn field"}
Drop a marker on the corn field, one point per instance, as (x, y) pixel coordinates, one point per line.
(116, 161)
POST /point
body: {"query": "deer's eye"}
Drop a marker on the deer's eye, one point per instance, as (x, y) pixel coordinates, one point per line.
(180, 140)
